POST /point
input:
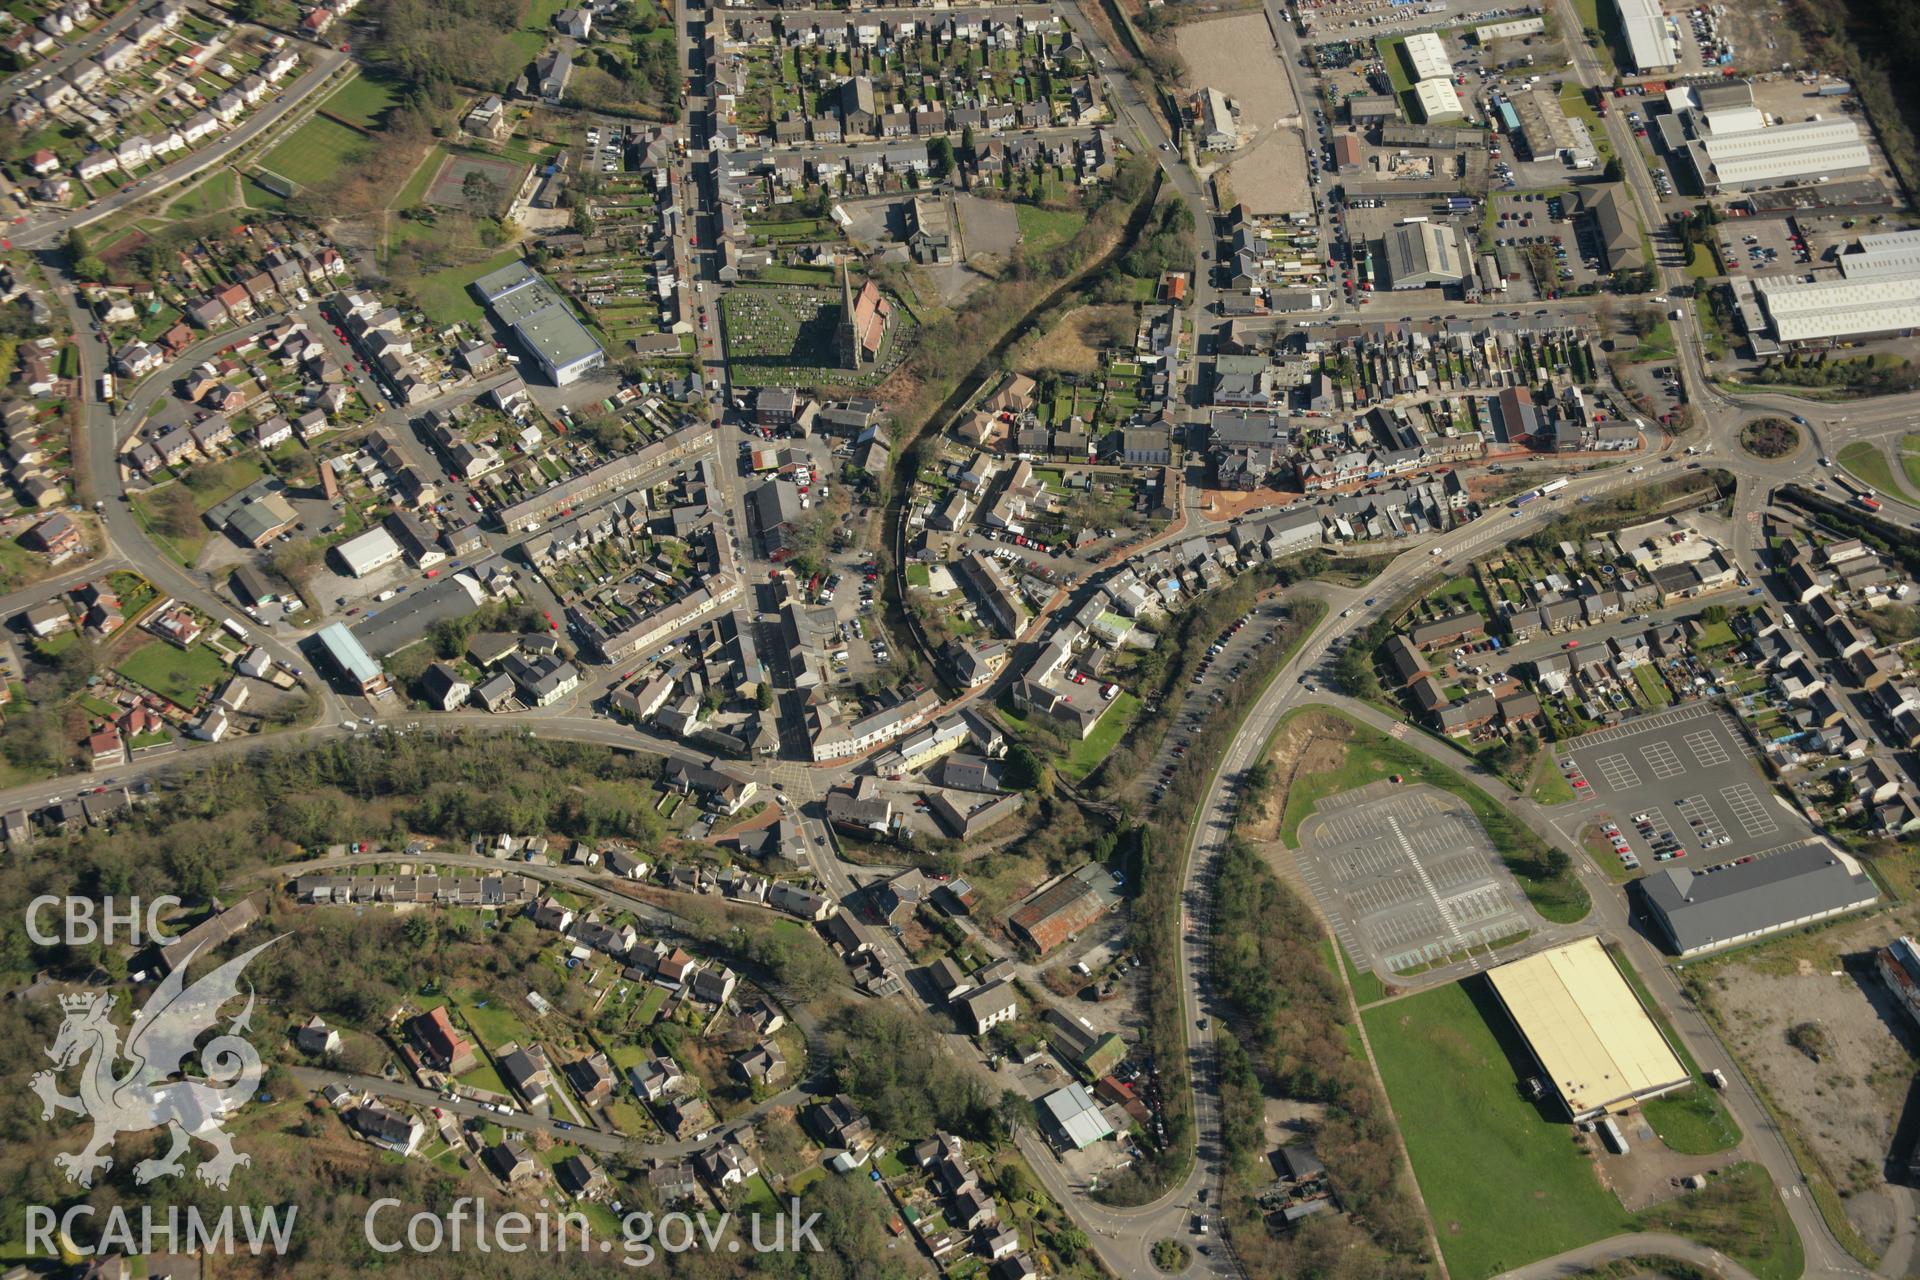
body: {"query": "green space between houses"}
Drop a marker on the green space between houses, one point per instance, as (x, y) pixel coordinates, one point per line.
(444, 296)
(1045, 229)
(492, 1022)
(1652, 688)
(312, 154)
(1868, 462)
(533, 33)
(1086, 754)
(181, 676)
(1501, 1179)
(918, 575)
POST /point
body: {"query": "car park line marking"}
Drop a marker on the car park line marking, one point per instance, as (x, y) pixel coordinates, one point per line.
(1748, 808)
(1664, 760)
(1706, 747)
(1619, 772)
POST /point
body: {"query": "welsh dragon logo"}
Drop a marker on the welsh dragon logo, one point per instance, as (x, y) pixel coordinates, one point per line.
(154, 1092)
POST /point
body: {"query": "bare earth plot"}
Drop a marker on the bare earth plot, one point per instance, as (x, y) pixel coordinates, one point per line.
(1236, 56)
(1270, 177)
(1065, 347)
(1846, 1103)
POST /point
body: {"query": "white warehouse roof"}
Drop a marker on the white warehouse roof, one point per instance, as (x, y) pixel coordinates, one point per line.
(1893, 253)
(1649, 39)
(1438, 101)
(364, 554)
(1804, 150)
(1428, 56)
(1803, 312)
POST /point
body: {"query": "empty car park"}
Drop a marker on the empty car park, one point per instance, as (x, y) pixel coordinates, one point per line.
(1407, 876)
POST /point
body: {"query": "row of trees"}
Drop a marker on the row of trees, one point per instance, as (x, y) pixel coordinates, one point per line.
(1293, 1016)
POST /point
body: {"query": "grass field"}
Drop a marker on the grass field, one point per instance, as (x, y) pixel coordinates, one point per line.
(361, 100)
(1550, 786)
(1044, 229)
(1910, 459)
(180, 676)
(444, 297)
(212, 195)
(1087, 753)
(415, 192)
(1868, 462)
(313, 153)
(1502, 1181)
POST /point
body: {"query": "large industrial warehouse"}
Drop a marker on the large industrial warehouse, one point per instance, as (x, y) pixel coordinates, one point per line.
(1698, 911)
(1422, 255)
(1649, 35)
(1596, 1046)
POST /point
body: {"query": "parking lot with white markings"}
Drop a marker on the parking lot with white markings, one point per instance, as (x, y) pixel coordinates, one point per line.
(1677, 785)
(1407, 876)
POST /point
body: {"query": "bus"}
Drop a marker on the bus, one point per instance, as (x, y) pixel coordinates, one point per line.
(233, 626)
(106, 388)
(1851, 485)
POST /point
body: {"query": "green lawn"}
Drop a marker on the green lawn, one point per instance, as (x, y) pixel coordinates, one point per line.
(1044, 229)
(179, 676)
(1715, 635)
(1869, 463)
(1502, 1181)
(312, 154)
(1087, 753)
(493, 1023)
(650, 1005)
(444, 297)
(361, 100)
(1550, 786)
(919, 576)
(415, 192)
(213, 195)
(1651, 686)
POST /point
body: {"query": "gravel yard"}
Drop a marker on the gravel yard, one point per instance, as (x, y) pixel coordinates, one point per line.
(1237, 56)
(1270, 177)
(1833, 1052)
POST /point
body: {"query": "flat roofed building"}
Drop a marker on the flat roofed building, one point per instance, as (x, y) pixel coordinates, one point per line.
(1650, 42)
(1427, 56)
(1700, 912)
(1799, 311)
(1594, 1042)
(543, 322)
(1438, 101)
